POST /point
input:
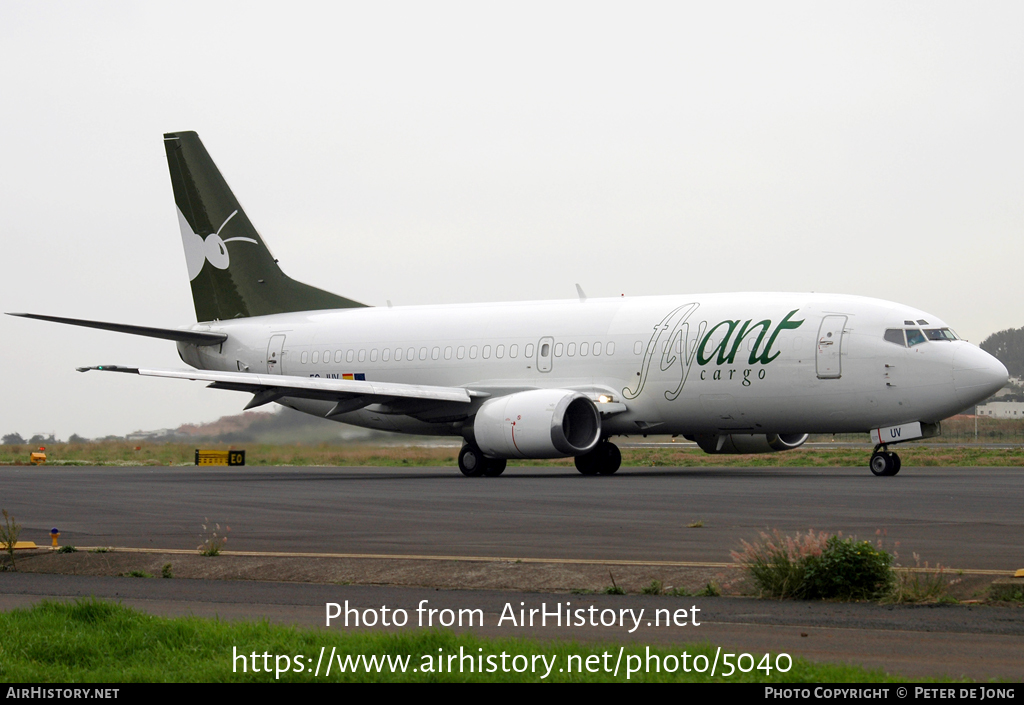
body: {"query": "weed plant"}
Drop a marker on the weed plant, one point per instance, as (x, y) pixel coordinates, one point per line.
(9, 531)
(653, 588)
(922, 584)
(815, 566)
(214, 542)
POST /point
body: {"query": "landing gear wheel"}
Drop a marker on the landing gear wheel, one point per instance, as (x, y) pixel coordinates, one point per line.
(884, 464)
(494, 466)
(605, 459)
(472, 462)
(587, 463)
(611, 458)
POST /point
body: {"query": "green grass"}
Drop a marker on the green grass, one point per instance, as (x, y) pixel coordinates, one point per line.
(95, 641)
(363, 455)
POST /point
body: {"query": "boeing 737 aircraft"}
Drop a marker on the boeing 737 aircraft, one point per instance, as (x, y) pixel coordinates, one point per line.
(737, 373)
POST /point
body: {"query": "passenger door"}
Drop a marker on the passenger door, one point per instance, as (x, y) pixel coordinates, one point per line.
(828, 357)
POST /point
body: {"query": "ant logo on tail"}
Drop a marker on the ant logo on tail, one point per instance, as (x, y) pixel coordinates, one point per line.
(212, 249)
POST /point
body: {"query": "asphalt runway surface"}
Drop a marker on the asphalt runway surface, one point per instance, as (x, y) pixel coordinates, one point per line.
(967, 518)
(964, 518)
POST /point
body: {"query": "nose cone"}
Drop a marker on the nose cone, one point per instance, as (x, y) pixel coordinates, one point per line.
(976, 374)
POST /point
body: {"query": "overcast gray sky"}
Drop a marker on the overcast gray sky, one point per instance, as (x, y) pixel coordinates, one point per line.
(452, 152)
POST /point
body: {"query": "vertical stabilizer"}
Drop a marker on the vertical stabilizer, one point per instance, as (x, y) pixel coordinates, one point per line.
(232, 272)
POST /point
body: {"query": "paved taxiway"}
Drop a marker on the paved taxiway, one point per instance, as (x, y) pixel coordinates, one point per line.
(967, 518)
(962, 517)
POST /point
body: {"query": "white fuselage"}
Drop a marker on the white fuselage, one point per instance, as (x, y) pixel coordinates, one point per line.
(695, 364)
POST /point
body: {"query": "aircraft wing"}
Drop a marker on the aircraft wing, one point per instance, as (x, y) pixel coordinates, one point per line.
(348, 394)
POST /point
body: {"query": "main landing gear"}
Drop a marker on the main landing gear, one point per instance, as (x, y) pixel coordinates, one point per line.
(473, 463)
(884, 462)
(605, 459)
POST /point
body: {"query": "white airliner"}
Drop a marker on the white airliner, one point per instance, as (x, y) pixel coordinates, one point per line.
(737, 373)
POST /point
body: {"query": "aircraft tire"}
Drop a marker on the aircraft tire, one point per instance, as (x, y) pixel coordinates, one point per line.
(610, 458)
(883, 465)
(895, 464)
(494, 466)
(472, 462)
(587, 463)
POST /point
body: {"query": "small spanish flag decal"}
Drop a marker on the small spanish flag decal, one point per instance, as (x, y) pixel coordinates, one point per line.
(354, 376)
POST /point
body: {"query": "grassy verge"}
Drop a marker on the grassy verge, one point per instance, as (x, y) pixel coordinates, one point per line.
(120, 453)
(94, 641)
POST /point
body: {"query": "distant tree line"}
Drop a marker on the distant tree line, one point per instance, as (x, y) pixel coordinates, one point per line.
(1007, 346)
(16, 439)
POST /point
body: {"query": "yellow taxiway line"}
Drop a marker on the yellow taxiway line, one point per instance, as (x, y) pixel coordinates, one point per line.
(497, 559)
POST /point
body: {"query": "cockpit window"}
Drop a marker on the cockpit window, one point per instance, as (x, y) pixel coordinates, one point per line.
(914, 337)
(940, 334)
(895, 335)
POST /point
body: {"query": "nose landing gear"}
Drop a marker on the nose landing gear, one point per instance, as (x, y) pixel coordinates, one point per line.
(884, 463)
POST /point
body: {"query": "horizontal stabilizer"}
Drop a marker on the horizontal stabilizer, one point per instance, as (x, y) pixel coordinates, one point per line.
(186, 336)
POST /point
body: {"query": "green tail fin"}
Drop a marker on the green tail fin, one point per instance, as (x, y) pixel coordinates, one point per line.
(232, 272)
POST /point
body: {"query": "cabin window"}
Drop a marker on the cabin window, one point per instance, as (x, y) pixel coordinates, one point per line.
(448, 353)
(305, 357)
(529, 351)
(638, 347)
(597, 348)
(513, 351)
(398, 354)
(362, 356)
(461, 352)
(410, 354)
(486, 352)
(584, 349)
(895, 335)
(337, 355)
(472, 352)
(939, 334)
(423, 353)
(327, 356)
(914, 337)
(316, 356)
(558, 350)
(570, 349)
(373, 355)
(499, 352)
(385, 354)
(545, 350)
(611, 349)
(435, 353)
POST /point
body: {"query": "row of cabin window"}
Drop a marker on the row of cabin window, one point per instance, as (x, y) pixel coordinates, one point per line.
(570, 350)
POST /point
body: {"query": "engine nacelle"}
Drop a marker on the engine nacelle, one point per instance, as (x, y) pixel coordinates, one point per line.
(541, 423)
(741, 443)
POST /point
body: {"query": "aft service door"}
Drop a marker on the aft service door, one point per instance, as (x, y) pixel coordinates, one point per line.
(828, 357)
(274, 352)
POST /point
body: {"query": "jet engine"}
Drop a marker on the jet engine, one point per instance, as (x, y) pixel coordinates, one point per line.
(541, 423)
(737, 443)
